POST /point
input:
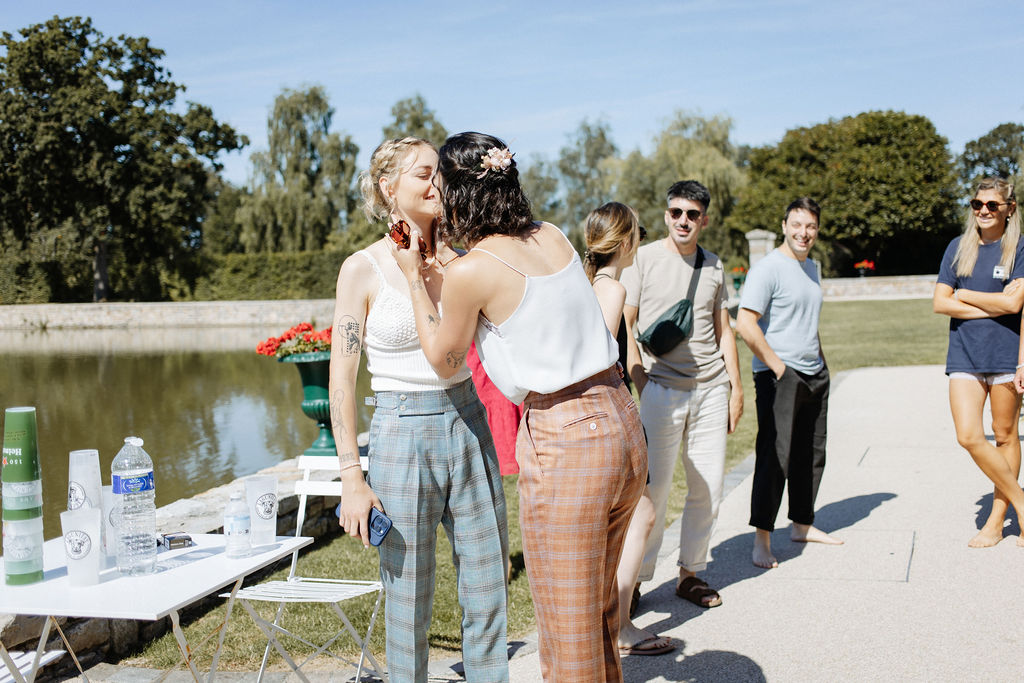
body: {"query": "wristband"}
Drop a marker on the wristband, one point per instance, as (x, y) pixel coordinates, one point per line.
(1020, 365)
(349, 466)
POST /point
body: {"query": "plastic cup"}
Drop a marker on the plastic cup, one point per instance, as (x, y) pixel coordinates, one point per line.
(22, 489)
(84, 479)
(261, 497)
(83, 545)
(111, 518)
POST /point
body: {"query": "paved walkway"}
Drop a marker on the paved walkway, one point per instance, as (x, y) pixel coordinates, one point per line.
(904, 599)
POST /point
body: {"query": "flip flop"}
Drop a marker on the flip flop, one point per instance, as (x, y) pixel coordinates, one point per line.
(652, 649)
(698, 592)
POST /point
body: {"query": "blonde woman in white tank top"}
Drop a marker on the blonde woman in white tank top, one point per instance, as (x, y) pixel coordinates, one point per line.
(540, 333)
(431, 457)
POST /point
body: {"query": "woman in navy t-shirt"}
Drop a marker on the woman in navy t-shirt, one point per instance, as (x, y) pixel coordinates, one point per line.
(980, 287)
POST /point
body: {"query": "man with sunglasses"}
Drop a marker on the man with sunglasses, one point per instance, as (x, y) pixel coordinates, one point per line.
(690, 395)
(778, 320)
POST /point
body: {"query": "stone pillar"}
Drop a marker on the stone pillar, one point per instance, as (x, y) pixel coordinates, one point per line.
(759, 244)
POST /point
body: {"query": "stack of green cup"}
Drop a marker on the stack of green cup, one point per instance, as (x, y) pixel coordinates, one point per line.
(22, 498)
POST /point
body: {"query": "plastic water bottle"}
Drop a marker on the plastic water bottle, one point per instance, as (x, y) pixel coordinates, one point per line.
(236, 527)
(134, 488)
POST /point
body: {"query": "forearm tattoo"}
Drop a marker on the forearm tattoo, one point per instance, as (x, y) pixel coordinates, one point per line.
(347, 457)
(433, 322)
(416, 285)
(348, 330)
(337, 414)
(454, 359)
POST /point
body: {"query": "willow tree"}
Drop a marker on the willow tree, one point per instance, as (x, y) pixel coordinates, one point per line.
(302, 188)
(690, 147)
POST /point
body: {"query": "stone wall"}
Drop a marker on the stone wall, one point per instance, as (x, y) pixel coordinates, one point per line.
(192, 314)
(98, 640)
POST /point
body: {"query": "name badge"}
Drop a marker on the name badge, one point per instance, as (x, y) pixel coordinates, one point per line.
(999, 272)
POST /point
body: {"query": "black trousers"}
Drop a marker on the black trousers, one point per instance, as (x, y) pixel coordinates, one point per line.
(792, 417)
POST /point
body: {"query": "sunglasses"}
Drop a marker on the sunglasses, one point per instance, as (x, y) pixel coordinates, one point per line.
(691, 214)
(992, 206)
(643, 233)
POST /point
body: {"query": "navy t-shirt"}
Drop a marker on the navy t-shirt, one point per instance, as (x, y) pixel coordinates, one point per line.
(985, 345)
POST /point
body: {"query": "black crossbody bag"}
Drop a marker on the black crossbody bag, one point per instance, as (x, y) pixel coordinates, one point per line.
(674, 325)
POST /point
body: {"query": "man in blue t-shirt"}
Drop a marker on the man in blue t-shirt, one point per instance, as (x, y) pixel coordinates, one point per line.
(778, 319)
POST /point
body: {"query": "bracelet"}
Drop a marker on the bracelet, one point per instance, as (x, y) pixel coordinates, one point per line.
(349, 466)
(1020, 365)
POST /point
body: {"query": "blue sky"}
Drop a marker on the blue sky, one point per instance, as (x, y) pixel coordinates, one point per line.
(530, 71)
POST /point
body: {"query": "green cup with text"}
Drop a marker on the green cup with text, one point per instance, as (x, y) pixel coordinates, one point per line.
(22, 493)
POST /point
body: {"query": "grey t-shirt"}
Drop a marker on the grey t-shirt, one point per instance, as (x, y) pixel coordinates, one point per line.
(655, 282)
(787, 294)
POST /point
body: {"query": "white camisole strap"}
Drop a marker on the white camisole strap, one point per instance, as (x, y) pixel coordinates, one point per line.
(495, 256)
(376, 269)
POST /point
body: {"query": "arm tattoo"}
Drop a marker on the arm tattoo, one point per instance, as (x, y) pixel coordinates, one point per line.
(416, 285)
(347, 457)
(348, 329)
(454, 359)
(337, 413)
(433, 322)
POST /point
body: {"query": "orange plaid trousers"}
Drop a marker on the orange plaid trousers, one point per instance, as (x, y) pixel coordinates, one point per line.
(583, 466)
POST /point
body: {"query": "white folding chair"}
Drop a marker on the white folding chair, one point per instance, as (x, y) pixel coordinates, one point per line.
(313, 590)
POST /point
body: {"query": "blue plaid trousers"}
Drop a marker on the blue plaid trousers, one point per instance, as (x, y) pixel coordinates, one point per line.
(432, 461)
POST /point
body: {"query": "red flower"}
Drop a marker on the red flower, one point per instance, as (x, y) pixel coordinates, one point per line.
(864, 265)
(301, 338)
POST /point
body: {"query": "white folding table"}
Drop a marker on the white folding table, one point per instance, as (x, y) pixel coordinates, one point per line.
(183, 576)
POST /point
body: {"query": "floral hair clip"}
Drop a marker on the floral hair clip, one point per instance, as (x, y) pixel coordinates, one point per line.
(495, 160)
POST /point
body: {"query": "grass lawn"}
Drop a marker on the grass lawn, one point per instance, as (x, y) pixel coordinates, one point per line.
(853, 334)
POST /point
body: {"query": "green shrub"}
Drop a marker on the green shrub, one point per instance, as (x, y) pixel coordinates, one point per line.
(247, 277)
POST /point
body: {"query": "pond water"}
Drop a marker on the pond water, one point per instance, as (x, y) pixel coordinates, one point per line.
(208, 407)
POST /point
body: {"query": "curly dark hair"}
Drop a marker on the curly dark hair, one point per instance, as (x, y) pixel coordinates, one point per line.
(475, 203)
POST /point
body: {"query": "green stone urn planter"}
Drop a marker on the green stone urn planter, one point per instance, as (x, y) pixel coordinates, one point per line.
(314, 370)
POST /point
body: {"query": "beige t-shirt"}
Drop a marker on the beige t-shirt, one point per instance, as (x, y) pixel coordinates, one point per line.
(656, 281)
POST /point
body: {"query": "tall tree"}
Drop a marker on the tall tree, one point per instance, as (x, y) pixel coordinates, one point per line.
(691, 147)
(584, 172)
(885, 183)
(92, 149)
(998, 153)
(302, 190)
(414, 118)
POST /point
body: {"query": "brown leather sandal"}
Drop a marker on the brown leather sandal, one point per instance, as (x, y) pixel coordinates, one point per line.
(698, 592)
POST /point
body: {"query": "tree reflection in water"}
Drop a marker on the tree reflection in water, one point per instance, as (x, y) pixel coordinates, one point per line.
(207, 417)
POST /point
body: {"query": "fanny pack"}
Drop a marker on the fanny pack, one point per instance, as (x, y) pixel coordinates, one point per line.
(674, 325)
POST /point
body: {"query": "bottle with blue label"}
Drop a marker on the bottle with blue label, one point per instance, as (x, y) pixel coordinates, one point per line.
(135, 495)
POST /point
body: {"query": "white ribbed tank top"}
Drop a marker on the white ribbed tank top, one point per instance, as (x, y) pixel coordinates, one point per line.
(555, 337)
(394, 357)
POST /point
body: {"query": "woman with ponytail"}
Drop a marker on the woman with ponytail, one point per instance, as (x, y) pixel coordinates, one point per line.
(980, 287)
(613, 234)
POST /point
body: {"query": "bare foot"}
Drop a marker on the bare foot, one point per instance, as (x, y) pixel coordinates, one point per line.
(986, 538)
(762, 555)
(631, 637)
(805, 533)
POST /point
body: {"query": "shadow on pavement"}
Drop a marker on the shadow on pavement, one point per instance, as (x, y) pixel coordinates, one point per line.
(730, 560)
(985, 509)
(709, 665)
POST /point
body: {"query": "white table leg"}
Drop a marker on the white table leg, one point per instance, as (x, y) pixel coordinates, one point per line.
(224, 627)
(186, 652)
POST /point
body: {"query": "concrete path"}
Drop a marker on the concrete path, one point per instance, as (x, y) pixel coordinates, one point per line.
(904, 599)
